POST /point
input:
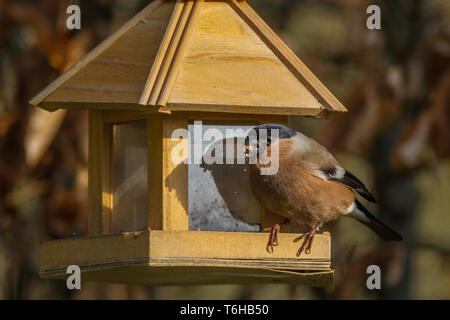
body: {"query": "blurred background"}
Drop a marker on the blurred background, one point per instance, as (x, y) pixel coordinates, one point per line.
(395, 83)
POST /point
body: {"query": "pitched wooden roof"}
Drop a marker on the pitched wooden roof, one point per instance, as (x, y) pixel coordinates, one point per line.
(192, 55)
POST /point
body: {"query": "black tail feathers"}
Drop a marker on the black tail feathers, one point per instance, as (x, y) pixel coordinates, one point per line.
(382, 230)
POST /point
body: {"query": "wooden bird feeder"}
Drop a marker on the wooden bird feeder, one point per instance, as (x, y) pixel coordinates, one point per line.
(172, 64)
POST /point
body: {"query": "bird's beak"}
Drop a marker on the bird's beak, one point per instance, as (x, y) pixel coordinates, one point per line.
(247, 152)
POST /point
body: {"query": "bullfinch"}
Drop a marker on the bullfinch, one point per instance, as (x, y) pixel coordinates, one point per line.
(309, 186)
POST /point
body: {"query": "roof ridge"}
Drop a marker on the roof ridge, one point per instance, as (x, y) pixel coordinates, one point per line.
(163, 73)
(167, 83)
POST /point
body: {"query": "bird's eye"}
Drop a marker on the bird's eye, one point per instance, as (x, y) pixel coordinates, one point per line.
(269, 140)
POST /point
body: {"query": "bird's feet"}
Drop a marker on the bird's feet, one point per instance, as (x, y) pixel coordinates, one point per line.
(273, 237)
(307, 241)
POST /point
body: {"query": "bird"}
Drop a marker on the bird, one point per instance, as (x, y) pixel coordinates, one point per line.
(309, 187)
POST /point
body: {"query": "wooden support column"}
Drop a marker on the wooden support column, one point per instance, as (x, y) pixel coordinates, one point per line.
(175, 177)
(100, 198)
(168, 181)
(155, 160)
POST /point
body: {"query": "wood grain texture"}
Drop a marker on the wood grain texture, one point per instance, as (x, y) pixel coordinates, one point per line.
(168, 253)
(179, 54)
(177, 247)
(227, 64)
(171, 50)
(52, 106)
(94, 53)
(174, 178)
(243, 109)
(193, 275)
(118, 117)
(107, 194)
(224, 246)
(230, 62)
(99, 194)
(285, 54)
(117, 70)
(230, 118)
(162, 52)
(155, 172)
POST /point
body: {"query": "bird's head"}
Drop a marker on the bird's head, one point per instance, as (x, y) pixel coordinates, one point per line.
(261, 137)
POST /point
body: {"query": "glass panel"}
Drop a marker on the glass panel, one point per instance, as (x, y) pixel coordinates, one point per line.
(129, 177)
(220, 198)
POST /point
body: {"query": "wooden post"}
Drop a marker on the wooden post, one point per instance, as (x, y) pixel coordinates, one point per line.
(168, 182)
(100, 197)
(155, 187)
(174, 178)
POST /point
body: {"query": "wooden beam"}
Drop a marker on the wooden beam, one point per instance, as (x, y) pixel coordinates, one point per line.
(99, 194)
(162, 52)
(230, 117)
(174, 41)
(247, 109)
(155, 166)
(118, 117)
(182, 258)
(174, 177)
(107, 195)
(182, 248)
(179, 54)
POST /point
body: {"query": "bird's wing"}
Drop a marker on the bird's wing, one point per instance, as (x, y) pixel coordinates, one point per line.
(322, 164)
(349, 180)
